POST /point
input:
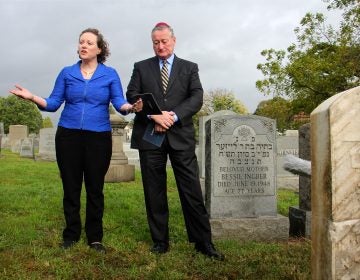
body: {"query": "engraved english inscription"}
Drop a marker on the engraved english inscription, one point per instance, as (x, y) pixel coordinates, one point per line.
(244, 162)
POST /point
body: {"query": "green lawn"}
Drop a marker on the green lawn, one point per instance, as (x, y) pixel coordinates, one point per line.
(31, 223)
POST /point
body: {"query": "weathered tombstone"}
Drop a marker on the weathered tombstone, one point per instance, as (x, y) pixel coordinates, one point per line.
(5, 143)
(240, 178)
(286, 144)
(27, 148)
(300, 216)
(16, 134)
(335, 187)
(47, 145)
(2, 131)
(36, 140)
(119, 169)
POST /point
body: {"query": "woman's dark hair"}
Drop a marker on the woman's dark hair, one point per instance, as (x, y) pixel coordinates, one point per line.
(101, 43)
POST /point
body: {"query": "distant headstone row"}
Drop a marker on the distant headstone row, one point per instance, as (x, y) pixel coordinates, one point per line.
(19, 141)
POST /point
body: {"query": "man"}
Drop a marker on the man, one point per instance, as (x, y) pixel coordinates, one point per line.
(177, 90)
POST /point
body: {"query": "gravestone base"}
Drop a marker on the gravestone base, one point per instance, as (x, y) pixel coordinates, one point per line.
(120, 173)
(265, 228)
(300, 222)
(288, 182)
(45, 157)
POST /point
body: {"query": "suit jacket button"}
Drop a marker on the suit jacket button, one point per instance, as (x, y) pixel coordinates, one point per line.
(165, 99)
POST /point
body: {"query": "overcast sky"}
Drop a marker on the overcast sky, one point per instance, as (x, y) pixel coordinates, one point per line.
(225, 37)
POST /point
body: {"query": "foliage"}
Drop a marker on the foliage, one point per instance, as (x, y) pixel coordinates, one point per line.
(14, 110)
(286, 198)
(32, 221)
(217, 100)
(278, 109)
(320, 64)
(350, 26)
(221, 99)
(47, 123)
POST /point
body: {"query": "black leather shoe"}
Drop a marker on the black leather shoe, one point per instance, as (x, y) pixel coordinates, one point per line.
(97, 246)
(67, 244)
(208, 249)
(160, 248)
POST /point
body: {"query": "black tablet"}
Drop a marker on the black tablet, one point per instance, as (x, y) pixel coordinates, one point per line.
(150, 106)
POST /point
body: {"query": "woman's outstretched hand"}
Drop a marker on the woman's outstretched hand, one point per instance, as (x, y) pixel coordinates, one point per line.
(22, 92)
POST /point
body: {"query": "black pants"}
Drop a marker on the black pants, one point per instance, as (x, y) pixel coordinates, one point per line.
(185, 167)
(83, 155)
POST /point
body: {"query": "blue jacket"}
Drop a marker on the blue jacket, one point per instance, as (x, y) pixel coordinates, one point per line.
(86, 101)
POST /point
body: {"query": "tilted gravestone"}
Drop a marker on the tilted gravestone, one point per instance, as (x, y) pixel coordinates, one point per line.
(335, 187)
(240, 178)
(300, 216)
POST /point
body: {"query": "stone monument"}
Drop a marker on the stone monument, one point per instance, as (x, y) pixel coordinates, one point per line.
(300, 216)
(202, 137)
(47, 145)
(240, 178)
(16, 134)
(27, 148)
(287, 144)
(119, 169)
(335, 187)
(2, 132)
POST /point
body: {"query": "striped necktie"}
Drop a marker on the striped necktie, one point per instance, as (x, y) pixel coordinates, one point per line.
(164, 75)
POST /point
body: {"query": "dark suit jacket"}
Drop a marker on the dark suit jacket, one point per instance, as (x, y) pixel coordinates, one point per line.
(184, 96)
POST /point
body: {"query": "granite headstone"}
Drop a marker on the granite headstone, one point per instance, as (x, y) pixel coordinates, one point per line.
(240, 178)
(47, 145)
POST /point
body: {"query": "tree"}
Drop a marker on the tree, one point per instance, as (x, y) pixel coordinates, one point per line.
(47, 123)
(282, 110)
(221, 99)
(217, 100)
(320, 64)
(14, 110)
(278, 109)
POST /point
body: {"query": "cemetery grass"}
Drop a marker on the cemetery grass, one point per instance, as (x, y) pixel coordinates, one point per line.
(31, 222)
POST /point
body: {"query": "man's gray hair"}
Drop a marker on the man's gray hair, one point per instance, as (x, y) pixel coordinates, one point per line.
(162, 26)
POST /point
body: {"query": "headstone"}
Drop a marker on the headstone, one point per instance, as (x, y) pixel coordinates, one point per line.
(300, 216)
(16, 134)
(305, 181)
(47, 145)
(240, 178)
(2, 131)
(335, 187)
(5, 143)
(119, 169)
(286, 144)
(202, 138)
(27, 148)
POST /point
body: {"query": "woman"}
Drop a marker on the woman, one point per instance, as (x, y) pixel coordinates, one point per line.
(83, 138)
